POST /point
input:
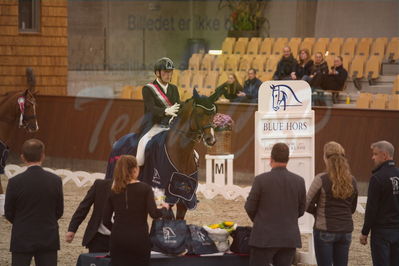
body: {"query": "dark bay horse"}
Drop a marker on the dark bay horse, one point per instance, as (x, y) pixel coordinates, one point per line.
(17, 108)
(193, 125)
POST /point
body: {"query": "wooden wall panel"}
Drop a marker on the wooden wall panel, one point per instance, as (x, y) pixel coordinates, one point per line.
(46, 51)
(85, 128)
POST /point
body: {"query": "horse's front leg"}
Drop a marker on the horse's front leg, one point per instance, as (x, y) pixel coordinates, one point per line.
(181, 210)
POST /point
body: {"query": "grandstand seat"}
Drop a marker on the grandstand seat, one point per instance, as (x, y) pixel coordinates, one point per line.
(211, 80)
(349, 47)
(320, 46)
(197, 80)
(208, 62)
(338, 40)
(279, 44)
(243, 39)
(395, 88)
(266, 46)
(195, 61)
(392, 52)
(378, 48)
(241, 76)
(306, 45)
(185, 93)
(262, 75)
(126, 92)
(346, 61)
(232, 62)
(356, 69)
(379, 101)
(223, 76)
(245, 62)
(312, 40)
(393, 102)
(220, 62)
(294, 45)
(185, 79)
(271, 65)
(240, 47)
(228, 45)
(253, 46)
(373, 67)
(330, 60)
(137, 93)
(363, 47)
(363, 101)
(175, 77)
(334, 47)
(259, 63)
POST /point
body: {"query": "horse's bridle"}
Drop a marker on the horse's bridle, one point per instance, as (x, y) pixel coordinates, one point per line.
(24, 119)
(198, 133)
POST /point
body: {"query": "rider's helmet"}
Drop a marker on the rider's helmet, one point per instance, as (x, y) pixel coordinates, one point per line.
(163, 64)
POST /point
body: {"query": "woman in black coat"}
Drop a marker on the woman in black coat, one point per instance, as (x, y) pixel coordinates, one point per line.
(230, 89)
(130, 201)
(303, 70)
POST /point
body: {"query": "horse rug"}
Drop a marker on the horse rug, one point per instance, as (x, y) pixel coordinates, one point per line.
(158, 170)
(4, 150)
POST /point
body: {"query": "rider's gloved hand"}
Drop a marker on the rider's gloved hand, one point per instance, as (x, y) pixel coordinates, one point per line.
(172, 111)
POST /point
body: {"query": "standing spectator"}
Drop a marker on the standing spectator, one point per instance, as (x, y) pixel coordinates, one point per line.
(332, 199)
(131, 201)
(303, 70)
(276, 201)
(34, 203)
(229, 89)
(251, 88)
(96, 236)
(286, 66)
(382, 209)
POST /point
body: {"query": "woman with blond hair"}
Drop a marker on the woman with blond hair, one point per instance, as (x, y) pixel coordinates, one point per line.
(303, 69)
(332, 199)
(130, 201)
(230, 89)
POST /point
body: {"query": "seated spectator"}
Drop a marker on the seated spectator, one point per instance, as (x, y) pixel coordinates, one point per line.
(251, 88)
(303, 70)
(336, 78)
(229, 89)
(318, 70)
(286, 66)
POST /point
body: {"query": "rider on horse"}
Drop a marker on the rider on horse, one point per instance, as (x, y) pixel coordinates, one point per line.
(161, 105)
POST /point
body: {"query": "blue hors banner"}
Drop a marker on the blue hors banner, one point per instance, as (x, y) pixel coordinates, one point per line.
(285, 115)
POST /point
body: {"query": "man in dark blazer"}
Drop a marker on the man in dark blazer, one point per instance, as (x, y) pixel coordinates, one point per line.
(96, 237)
(34, 203)
(276, 201)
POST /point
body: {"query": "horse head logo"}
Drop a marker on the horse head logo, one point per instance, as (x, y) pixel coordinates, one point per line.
(281, 94)
(168, 233)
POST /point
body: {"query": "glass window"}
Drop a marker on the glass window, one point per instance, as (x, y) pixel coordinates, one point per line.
(29, 15)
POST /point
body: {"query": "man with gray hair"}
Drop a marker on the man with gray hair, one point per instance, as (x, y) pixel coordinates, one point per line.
(382, 209)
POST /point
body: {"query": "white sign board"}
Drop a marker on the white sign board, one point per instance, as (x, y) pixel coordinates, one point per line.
(285, 115)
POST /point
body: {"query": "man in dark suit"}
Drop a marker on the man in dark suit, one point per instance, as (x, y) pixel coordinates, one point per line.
(34, 203)
(96, 237)
(276, 201)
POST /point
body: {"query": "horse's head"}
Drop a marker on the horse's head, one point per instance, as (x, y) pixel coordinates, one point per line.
(27, 104)
(201, 118)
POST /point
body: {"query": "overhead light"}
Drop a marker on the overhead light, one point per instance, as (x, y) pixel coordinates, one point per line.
(217, 52)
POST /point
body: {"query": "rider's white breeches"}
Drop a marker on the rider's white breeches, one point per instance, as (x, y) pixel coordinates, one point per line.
(140, 156)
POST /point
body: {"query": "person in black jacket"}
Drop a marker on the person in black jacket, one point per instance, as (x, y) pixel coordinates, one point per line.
(230, 89)
(96, 236)
(276, 200)
(34, 203)
(251, 88)
(286, 66)
(161, 104)
(318, 71)
(129, 203)
(304, 67)
(382, 208)
(335, 80)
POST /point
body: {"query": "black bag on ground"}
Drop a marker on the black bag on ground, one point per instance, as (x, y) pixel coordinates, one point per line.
(168, 236)
(241, 239)
(198, 241)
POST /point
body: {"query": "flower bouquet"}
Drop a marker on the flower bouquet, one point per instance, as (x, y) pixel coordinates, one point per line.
(219, 233)
(223, 125)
